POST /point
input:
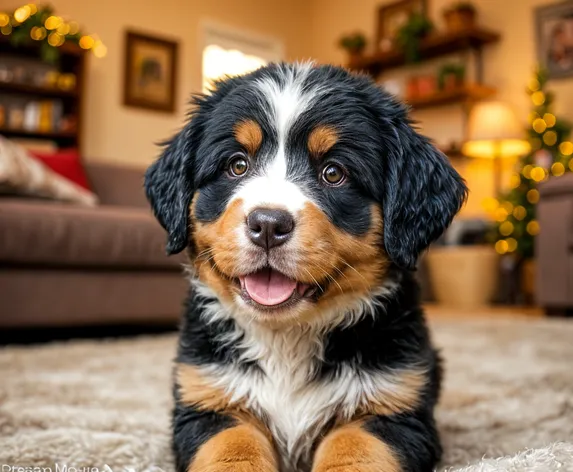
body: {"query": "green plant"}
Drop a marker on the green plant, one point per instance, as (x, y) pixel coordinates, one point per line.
(33, 23)
(353, 43)
(410, 35)
(452, 68)
(467, 7)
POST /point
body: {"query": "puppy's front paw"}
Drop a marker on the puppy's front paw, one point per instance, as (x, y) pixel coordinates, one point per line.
(242, 448)
(343, 468)
(236, 467)
(352, 449)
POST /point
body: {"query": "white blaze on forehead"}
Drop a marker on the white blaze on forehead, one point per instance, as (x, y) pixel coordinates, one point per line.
(287, 100)
(286, 97)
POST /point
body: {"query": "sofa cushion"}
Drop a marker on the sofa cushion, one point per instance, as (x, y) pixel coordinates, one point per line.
(117, 185)
(53, 234)
(22, 174)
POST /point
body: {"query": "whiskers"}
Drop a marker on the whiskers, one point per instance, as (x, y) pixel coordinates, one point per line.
(329, 268)
(206, 256)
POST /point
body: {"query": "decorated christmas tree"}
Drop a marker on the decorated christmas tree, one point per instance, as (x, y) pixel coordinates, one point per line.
(551, 155)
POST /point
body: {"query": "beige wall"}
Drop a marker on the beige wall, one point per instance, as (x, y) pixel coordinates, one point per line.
(117, 133)
(508, 66)
(308, 28)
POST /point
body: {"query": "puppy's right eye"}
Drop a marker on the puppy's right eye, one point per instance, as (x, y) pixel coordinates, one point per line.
(238, 165)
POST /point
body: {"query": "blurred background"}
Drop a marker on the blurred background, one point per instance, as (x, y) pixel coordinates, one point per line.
(87, 89)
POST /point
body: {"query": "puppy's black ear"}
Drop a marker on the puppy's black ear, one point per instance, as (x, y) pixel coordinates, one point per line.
(169, 188)
(422, 194)
(170, 181)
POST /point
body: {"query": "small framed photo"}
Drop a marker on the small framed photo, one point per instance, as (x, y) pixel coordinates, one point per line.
(392, 16)
(150, 75)
(554, 24)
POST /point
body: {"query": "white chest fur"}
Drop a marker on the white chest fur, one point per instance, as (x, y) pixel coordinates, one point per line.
(281, 391)
(282, 394)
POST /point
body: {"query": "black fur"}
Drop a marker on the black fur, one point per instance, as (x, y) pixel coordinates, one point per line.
(191, 429)
(389, 165)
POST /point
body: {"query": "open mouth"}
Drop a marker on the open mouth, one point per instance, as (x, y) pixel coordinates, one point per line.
(269, 289)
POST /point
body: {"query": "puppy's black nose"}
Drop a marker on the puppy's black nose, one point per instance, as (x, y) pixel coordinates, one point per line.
(269, 228)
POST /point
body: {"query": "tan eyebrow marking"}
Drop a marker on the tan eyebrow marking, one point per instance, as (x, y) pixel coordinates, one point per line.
(249, 134)
(321, 140)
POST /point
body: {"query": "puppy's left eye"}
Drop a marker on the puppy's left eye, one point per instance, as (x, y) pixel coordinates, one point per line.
(333, 174)
(238, 165)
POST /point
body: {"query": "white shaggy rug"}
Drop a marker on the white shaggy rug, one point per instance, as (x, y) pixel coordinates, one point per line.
(507, 403)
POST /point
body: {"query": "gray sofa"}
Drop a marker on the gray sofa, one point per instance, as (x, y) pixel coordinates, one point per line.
(554, 246)
(69, 265)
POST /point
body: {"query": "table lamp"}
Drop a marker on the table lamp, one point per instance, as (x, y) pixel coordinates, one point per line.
(494, 133)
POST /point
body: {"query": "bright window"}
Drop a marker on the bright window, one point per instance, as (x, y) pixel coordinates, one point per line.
(229, 51)
(219, 62)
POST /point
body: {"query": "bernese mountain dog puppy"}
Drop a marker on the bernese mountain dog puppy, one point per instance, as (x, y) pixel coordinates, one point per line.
(303, 197)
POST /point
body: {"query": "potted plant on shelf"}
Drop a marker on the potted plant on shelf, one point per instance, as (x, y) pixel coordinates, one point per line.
(354, 44)
(411, 34)
(452, 76)
(460, 16)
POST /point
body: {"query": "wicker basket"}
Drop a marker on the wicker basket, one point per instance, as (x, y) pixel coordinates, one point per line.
(464, 276)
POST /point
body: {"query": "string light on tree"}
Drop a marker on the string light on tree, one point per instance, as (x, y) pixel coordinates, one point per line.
(506, 228)
(566, 148)
(501, 246)
(538, 98)
(38, 23)
(87, 42)
(533, 228)
(551, 156)
(549, 119)
(532, 196)
(557, 169)
(539, 125)
(519, 212)
(511, 244)
(22, 14)
(550, 138)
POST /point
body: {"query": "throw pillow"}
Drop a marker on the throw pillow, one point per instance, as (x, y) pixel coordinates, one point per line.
(65, 162)
(21, 174)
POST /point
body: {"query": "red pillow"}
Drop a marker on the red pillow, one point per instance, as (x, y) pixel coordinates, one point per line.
(65, 162)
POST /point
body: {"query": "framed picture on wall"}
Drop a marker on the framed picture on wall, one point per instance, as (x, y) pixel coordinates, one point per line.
(392, 16)
(150, 72)
(555, 38)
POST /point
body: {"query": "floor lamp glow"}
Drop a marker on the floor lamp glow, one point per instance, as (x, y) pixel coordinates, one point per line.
(494, 133)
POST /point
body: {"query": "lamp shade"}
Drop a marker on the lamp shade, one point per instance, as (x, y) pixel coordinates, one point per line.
(494, 132)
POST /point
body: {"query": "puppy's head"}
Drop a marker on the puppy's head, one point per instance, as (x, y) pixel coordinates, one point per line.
(295, 187)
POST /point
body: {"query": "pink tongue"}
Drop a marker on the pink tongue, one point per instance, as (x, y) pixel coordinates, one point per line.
(269, 287)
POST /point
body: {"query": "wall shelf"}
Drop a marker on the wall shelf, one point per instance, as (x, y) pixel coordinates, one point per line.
(15, 87)
(52, 135)
(436, 45)
(464, 94)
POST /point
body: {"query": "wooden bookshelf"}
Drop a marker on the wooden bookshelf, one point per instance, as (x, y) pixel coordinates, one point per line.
(465, 94)
(436, 45)
(17, 91)
(52, 92)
